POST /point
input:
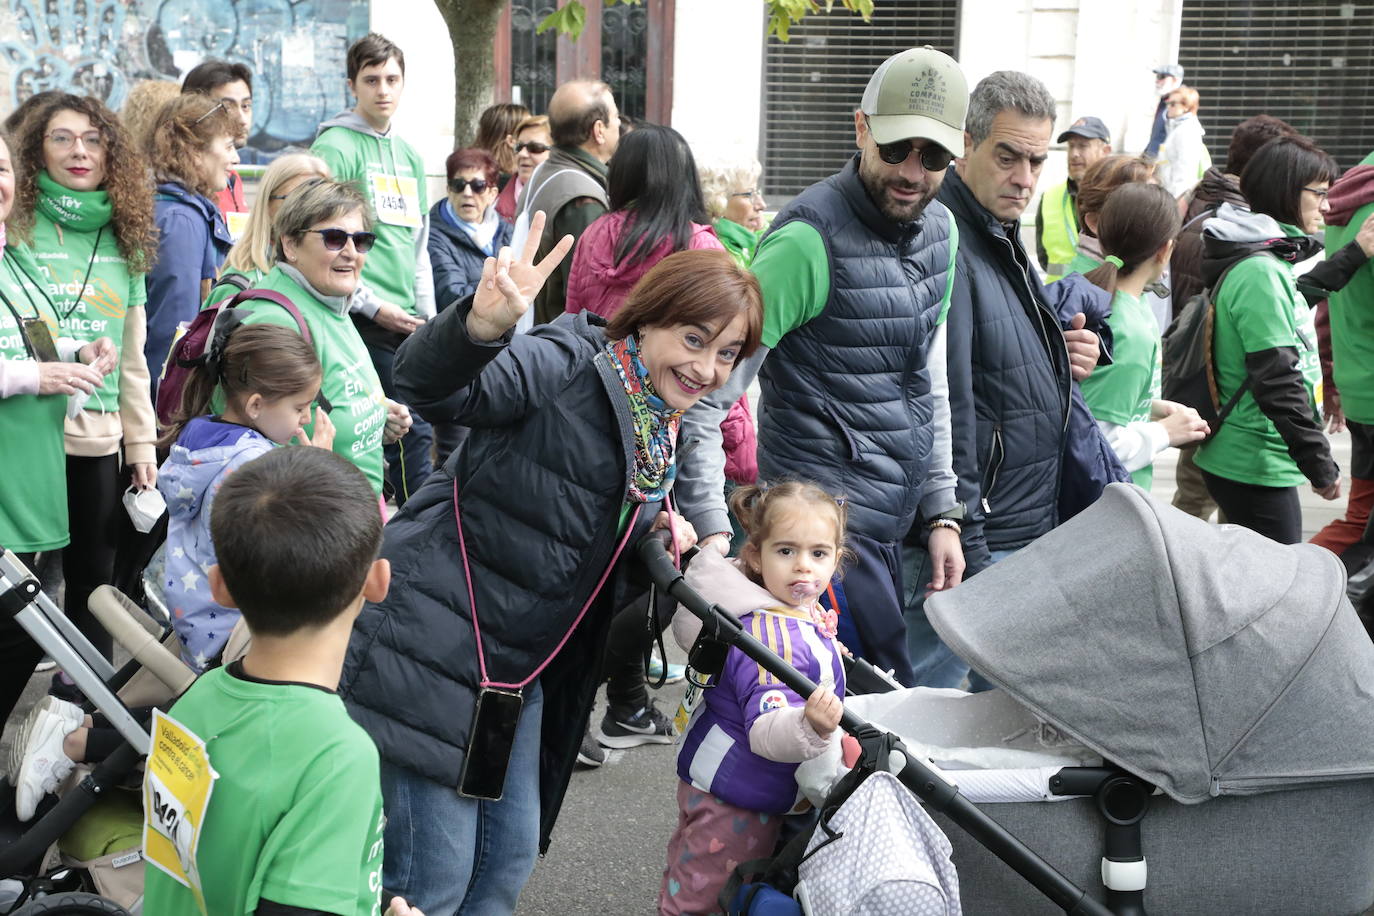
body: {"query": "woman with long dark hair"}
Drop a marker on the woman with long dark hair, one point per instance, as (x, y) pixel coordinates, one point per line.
(1265, 343)
(657, 208)
(85, 206)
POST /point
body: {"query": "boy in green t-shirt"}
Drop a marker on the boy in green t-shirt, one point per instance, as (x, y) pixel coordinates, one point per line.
(292, 825)
(361, 146)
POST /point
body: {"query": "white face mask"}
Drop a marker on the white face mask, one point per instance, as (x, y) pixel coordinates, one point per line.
(145, 507)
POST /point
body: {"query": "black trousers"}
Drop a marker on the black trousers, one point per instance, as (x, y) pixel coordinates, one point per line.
(94, 489)
(18, 656)
(626, 643)
(1274, 512)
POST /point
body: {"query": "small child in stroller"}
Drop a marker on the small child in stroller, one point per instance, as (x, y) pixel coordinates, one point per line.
(739, 756)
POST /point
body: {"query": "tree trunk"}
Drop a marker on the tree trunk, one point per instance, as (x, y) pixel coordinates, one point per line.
(472, 32)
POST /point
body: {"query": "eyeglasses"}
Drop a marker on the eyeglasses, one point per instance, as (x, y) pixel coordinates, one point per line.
(65, 139)
(336, 239)
(535, 147)
(219, 106)
(1320, 192)
(456, 185)
(752, 194)
(934, 158)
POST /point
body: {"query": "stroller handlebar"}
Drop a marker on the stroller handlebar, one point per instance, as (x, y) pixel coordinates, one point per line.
(927, 785)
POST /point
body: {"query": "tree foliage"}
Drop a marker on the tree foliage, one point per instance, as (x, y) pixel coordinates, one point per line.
(571, 18)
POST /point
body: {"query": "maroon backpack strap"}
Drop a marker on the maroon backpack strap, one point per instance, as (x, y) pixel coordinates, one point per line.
(268, 295)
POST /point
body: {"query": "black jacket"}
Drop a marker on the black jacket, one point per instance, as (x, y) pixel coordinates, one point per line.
(541, 483)
(455, 257)
(1009, 372)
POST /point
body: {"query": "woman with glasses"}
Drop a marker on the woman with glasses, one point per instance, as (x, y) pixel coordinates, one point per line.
(323, 234)
(191, 149)
(496, 128)
(85, 206)
(1183, 157)
(465, 228)
(735, 205)
(1265, 344)
(39, 371)
(532, 144)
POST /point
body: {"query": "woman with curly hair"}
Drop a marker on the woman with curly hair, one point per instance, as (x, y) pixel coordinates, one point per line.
(192, 149)
(84, 205)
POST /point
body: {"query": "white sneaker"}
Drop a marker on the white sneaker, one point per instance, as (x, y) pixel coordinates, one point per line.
(37, 763)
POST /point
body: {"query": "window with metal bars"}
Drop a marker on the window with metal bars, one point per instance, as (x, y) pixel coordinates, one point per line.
(1309, 63)
(813, 83)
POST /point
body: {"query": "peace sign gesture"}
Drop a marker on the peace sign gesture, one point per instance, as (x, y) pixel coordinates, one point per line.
(507, 285)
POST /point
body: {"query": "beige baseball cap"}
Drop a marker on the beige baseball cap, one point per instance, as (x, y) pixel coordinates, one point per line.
(918, 93)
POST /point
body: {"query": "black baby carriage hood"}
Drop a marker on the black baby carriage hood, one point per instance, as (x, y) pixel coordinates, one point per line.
(1206, 659)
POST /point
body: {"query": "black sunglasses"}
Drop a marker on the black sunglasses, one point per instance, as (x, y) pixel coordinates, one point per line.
(456, 185)
(336, 239)
(934, 158)
(533, 146)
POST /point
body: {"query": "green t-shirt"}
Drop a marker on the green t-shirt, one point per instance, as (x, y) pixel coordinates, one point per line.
(33, 463)
(1258, 308)
(1121, 392)
(67, 225)
(350, 382)
(1082, 264)
(1352, 324)
(793, 270)
(392, 176)
(223, 291)
(296, 813)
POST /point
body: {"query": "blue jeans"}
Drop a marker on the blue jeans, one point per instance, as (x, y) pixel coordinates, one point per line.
(446, 854)
(935, 664)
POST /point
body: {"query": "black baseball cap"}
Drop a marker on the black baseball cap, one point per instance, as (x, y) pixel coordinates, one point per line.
(1088, 128)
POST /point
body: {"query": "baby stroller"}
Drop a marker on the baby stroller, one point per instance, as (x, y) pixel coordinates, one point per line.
(1223, 680)
(53, 882)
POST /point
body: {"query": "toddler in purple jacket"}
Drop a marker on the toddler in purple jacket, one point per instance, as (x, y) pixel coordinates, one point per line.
(738, 759)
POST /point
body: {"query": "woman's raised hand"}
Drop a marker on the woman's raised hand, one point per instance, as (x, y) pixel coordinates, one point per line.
(509, 283)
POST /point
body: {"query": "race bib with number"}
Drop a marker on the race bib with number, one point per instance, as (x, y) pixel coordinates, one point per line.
(177, 785)
(397, 200)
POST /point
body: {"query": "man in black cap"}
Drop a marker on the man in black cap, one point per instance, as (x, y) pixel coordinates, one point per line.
(1056, 222)
(1167, 78)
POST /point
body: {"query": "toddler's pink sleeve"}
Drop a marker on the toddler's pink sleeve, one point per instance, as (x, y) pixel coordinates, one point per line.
(784, 735)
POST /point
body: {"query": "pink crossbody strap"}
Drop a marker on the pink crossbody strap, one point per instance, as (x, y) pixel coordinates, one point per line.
(472, 603)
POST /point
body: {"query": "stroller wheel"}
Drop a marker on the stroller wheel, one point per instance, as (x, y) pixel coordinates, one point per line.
(71, 903)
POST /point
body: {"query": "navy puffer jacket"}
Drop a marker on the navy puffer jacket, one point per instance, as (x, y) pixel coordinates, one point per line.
(542, 481)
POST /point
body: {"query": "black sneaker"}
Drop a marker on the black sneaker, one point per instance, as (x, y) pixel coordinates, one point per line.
(647, 726)
(590, 754)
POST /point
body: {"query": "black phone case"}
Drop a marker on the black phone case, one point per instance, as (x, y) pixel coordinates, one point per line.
(490, 744)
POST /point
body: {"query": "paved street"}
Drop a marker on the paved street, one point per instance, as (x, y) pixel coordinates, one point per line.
(607, 853)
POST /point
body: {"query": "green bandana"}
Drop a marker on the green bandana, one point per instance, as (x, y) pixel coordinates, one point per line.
(82, 211)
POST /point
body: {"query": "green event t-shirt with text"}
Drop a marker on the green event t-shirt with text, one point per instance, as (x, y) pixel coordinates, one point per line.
(1121, 392)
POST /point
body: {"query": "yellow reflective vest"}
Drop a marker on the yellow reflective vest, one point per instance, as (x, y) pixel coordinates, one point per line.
(1059, 232)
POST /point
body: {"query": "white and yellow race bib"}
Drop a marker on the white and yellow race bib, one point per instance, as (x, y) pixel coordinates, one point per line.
(397, 200)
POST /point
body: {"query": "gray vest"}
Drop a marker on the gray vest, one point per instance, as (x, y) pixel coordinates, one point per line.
(846, 396)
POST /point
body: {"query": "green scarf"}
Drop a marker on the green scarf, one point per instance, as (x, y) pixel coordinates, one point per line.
(81, 211)
(738, 240)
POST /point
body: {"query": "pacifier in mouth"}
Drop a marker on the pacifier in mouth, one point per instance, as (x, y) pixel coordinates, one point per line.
(802, 590)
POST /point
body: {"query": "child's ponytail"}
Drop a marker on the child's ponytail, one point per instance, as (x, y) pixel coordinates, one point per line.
(265, 359)
(1136, 221)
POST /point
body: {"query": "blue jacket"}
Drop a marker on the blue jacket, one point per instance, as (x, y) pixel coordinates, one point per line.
(192, 244)
(849, 393)
(455, 258)
(542, 482)
(1010, 389)
(1159, 129)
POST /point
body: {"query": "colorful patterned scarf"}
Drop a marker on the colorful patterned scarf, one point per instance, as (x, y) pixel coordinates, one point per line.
(655, 424)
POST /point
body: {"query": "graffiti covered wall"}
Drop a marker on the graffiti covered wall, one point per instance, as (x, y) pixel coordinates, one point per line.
(102, 47)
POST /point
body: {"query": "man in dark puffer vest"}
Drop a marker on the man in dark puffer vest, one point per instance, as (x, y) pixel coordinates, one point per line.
(1010, 359)
(856, 276)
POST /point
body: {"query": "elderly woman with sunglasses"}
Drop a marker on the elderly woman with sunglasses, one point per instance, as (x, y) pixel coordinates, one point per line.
(323, 233)
(532, 144)
(465, 228)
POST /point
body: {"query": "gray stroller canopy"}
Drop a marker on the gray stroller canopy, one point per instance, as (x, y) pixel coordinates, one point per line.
(1206, 659)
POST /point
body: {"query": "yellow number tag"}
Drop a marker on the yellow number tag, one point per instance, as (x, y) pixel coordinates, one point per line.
(177, 785)
(397, 200)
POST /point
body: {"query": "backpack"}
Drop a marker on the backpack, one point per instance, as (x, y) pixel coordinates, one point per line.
(1188, 373)
(192, 343)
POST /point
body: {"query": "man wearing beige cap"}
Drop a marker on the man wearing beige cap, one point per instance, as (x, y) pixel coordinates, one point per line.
(856, 275)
